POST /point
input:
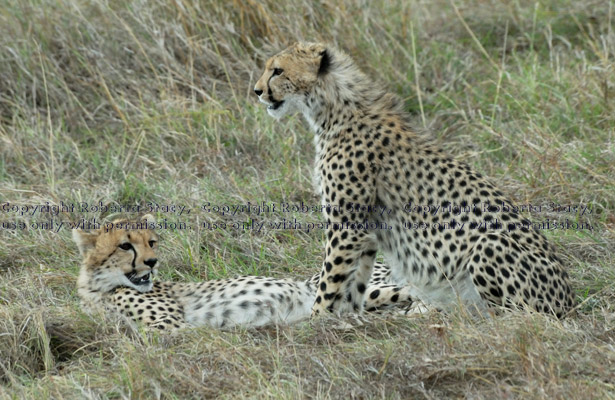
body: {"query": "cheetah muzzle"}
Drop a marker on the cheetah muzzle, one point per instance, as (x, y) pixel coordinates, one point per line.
(139, 280)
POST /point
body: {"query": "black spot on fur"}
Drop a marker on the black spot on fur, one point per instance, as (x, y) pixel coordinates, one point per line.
(480, 280)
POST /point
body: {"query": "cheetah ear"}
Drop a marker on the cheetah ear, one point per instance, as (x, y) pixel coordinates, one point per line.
(325, 62)
(149, 218)
(85, 240)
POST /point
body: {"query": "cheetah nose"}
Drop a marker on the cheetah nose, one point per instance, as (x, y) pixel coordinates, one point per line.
(258, 92)
(150, 262)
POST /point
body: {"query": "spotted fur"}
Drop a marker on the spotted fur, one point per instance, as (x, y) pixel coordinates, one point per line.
(118, 266)
(368, 158)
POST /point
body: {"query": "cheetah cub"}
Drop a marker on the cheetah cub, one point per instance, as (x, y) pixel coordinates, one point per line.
(119, 262)
(444, 229)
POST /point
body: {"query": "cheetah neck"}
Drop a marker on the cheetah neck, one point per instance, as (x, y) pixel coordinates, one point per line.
(90, 297)
(343, 93)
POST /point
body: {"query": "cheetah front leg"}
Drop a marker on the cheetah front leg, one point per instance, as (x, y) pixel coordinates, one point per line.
(347, 268)
(347, 185)
(380, 293)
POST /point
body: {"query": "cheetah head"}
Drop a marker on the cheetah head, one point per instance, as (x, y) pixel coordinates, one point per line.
(289, 76)
(119, 254)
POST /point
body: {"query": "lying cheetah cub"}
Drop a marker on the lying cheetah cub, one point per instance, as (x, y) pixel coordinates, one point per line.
(443, 228)
(119, 263)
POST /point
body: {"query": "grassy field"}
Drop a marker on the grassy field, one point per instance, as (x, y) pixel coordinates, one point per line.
(150, 102)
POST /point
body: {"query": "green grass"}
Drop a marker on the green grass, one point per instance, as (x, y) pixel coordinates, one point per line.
(142, 102)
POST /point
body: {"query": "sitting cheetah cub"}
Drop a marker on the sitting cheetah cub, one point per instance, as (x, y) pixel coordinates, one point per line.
(119, 263)
(443, 228)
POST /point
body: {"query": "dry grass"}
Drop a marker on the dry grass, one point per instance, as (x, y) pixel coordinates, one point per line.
(151, 102)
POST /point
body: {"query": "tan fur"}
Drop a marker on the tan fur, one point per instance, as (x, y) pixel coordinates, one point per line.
(300, 62)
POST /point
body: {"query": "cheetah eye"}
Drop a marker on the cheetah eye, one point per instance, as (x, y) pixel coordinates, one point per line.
(151, 243)
(125, 246)
(277, 71)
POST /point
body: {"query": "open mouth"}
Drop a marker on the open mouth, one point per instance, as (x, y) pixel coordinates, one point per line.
(275, 105)
(142, 280)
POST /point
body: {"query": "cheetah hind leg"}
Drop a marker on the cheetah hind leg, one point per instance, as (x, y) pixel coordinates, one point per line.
(483, 291)
(507, 279)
